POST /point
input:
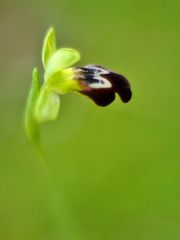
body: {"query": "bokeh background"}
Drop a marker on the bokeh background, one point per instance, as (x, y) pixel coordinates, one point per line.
(108, 173)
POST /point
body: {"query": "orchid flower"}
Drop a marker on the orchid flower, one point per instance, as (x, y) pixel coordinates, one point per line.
(94, 81)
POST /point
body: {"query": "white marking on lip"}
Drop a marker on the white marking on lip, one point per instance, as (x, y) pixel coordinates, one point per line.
(103, 82)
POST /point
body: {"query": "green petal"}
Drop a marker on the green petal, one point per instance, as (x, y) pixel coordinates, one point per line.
(61, 59)
(47, 105)
(49, 46)
(31, 126)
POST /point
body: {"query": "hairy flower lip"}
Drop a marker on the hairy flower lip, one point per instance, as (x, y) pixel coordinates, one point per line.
(101, 84)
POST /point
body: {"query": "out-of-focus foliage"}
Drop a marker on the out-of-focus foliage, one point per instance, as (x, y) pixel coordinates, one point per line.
(108, 173)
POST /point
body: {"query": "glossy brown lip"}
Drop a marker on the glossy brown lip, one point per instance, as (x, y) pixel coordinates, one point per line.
(103, 96)
(120, 85)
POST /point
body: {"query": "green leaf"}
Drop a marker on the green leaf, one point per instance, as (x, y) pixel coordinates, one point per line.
(47, 105)
(31, 126)
(61, 59)
(49, 46)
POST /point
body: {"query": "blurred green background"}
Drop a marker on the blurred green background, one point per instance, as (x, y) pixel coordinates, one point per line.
(109, 173)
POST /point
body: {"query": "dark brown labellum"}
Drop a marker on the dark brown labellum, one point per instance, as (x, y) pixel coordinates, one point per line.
(101, 84)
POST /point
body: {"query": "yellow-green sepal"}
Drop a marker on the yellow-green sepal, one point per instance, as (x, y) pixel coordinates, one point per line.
(31, 126)
(47, 105)
(49, 46)
(61, 59)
